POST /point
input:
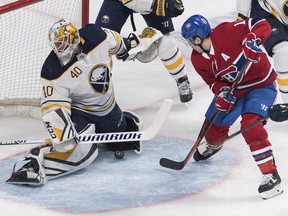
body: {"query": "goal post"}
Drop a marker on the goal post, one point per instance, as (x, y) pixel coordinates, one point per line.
(24, 26)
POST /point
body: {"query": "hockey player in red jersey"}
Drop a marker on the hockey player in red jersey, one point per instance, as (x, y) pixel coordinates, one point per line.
(218, 56)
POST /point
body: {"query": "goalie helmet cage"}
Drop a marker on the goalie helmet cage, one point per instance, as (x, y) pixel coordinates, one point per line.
(24, 46)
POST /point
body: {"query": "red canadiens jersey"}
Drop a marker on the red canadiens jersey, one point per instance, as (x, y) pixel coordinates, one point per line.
(225, 59)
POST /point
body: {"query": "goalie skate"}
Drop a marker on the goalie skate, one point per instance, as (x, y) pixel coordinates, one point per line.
(270, 186)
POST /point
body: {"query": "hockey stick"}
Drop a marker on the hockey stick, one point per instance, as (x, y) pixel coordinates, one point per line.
(179, 165)
(241, 131)
(147, 134)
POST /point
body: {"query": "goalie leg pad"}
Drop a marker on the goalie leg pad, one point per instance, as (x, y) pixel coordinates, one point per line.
(59, 125)
(133, 123)
(62, 163)
(32, 172)
(44, 163)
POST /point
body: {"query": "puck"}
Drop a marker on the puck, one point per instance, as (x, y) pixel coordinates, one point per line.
(119, 154)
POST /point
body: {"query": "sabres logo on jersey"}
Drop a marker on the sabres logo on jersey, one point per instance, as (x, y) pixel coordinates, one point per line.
(100, 78)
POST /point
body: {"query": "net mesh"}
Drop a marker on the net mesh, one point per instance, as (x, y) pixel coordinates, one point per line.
(24, 47)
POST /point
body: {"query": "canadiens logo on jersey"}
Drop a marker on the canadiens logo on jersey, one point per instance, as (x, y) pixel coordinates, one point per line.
(100, 78)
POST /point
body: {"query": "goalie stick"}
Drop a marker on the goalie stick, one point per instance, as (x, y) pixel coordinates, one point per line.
(179, 165)
(147, 134)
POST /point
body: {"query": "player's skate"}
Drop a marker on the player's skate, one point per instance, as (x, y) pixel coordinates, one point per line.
(29, 174)
(270, 186)
(205, 151)
(184, 90)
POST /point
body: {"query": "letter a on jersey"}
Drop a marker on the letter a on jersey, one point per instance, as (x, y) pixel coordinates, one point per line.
(225, 57)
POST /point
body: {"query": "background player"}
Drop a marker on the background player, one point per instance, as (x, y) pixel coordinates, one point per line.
(157, 14)
(276, 13)
(218, 55)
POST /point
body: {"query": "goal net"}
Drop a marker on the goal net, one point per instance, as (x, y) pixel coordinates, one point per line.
(24, 26)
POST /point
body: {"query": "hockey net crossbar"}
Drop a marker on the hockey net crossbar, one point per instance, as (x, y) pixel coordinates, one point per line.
(16, 5)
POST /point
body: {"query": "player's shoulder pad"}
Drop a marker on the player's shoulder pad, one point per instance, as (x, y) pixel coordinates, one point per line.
(52, 68)
(92, 34)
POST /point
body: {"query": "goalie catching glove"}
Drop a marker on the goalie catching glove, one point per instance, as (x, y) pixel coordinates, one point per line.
(143, 47)
(169, 8)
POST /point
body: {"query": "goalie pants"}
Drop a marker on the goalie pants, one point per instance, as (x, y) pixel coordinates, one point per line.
(115, 121)
(251, 107)
(113, 15)
(112, 122)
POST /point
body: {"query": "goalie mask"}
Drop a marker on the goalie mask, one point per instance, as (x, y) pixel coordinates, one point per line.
(64, 39)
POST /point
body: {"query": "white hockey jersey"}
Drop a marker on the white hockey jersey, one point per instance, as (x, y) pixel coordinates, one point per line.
(85, 83)
(140, 6)
(279, 8)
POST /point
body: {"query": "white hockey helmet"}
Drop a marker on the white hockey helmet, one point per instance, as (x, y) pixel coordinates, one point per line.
(64, 38)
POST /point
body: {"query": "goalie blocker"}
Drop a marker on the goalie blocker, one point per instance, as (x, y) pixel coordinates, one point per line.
(64, 156)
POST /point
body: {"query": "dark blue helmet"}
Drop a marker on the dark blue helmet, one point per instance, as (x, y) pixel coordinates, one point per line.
(195, 25)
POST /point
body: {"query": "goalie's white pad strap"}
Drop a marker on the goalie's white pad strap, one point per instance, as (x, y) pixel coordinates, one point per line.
(59, 125)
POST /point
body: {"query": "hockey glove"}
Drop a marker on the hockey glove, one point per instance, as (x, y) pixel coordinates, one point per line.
(251, 49)
(278, 112)
(130, 42)
(141, 44)
(169, 8)
(225, 101)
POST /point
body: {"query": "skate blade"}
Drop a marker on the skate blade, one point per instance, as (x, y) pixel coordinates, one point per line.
(23, 183)
(277, 190)
(187, 105)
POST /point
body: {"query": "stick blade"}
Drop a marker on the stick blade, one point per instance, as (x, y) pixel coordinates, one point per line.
(165, 162)
(160, 119)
